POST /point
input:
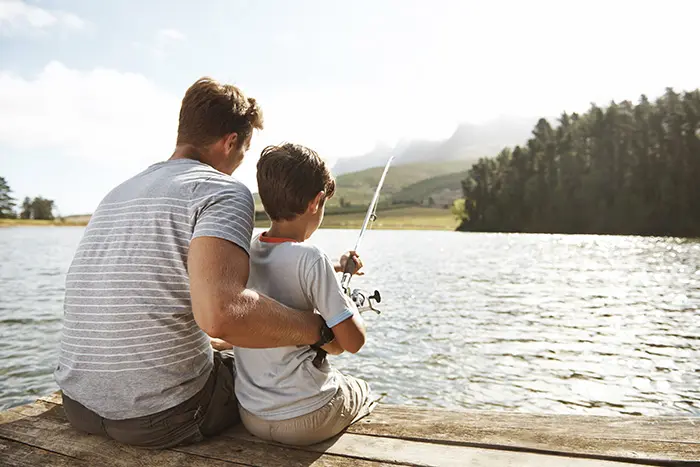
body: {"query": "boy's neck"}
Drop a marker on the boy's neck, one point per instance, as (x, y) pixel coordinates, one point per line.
(293, 230)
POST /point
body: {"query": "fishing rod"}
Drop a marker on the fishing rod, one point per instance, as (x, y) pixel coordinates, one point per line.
(361, 298)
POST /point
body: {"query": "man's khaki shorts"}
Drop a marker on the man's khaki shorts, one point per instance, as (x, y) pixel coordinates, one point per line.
(352, 402)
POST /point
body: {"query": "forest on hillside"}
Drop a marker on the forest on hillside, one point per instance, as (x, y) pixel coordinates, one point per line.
(624, 169)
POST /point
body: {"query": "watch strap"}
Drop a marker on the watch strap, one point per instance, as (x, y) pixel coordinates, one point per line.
(326, 337)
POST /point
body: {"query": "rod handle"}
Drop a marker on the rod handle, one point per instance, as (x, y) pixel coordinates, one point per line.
(347, 275)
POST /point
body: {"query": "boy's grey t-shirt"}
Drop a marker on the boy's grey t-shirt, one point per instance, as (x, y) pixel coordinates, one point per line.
(130, 345)
(283, 383)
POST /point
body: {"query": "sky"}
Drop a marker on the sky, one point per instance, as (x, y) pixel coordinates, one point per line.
(90, 90)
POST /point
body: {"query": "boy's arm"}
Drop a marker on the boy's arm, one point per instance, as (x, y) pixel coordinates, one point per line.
(225, 309)
(340, 313)
(350, 334)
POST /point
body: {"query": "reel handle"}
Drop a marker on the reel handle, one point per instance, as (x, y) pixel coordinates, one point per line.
(363, 300)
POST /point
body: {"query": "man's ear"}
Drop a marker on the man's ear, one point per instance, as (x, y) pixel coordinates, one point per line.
(230, 141)
(315, 203)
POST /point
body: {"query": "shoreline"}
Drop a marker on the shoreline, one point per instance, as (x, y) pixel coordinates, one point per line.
(403, 218)
(7, 223)
(265, 225)
(342, 221)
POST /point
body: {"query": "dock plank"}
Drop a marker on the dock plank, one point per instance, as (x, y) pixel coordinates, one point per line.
(260, 453)
(686, 429)
(226, 450)
(396, 451)
(29, 410)
(53, 398)
(668, 438)
(56, 435)
(15, 454)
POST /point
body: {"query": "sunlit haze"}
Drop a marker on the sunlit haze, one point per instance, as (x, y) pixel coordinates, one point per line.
(90, 91)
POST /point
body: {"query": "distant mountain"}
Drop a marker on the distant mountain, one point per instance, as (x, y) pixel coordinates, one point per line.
(358, 188)
(469, 142)
(406, 184)
(449, 185)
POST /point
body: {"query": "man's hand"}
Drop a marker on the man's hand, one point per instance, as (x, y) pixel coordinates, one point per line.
(355, 263)
(333, 348)
(219, 344)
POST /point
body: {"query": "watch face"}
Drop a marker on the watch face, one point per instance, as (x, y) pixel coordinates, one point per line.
(326, 336)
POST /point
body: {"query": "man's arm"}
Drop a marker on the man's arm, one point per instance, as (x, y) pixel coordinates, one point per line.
(225, 309)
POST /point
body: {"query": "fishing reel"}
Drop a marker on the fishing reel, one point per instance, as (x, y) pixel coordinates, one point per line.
(364, 301)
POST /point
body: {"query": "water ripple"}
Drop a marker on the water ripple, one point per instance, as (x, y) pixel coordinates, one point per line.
(536, 323)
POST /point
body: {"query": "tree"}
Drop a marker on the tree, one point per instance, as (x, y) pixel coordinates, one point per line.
(7, 202)
(42, 208)
(37, 208)
(26, 212)
(459, 210)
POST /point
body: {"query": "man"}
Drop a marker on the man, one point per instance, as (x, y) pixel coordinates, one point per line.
(163, 265)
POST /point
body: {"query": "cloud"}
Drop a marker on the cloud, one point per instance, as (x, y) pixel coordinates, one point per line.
(165, 40)
(162, 43)
(104, 115)
(169, 35)
(18, 16)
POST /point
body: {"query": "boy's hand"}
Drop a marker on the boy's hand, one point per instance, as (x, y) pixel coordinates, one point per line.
(355, 264)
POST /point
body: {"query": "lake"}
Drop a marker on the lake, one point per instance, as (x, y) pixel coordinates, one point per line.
(535, 323)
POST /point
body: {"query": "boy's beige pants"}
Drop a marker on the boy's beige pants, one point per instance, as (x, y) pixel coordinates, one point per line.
(352, 402)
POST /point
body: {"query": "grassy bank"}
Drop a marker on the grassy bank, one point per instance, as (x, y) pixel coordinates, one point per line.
(66, 222)
(402, 218)
(405, 218)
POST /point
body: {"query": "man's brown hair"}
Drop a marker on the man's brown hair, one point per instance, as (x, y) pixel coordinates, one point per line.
(211, 110)
(289, 178)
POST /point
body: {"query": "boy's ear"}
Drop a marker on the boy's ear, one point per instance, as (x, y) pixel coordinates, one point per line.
(315, 203)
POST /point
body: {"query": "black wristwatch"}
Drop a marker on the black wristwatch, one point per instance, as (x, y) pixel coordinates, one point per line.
(326, 337)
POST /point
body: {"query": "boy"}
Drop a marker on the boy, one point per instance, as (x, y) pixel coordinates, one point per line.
(283, 395)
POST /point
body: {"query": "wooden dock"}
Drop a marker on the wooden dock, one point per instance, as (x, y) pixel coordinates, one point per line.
(38, 434)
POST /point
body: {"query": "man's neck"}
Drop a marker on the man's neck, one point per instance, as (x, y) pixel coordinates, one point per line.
(293, 230)
(187, 151)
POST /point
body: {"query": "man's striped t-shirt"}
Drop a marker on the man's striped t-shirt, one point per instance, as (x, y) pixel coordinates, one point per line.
(130, 345)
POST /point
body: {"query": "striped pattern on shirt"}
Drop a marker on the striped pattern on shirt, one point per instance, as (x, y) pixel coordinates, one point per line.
(130, 345)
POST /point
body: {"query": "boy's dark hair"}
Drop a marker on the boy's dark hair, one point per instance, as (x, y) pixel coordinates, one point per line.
(289, 178)
(211, 110)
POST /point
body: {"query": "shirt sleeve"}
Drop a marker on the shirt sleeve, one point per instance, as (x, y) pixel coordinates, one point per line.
(325, 293)
(227, 211)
